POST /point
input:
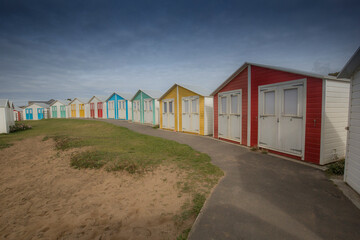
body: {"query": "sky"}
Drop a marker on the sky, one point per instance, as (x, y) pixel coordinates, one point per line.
(65, 49)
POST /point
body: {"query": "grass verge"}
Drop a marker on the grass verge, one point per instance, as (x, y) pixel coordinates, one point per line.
(119, 149)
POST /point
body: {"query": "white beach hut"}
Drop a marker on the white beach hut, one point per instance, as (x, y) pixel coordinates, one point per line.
(36, 111)
(6, 115)
(97, 107)
(78, 108)
(59, 109)
(352, 162)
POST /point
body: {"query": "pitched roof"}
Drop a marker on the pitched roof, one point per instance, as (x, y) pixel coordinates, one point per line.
(126, 96)
(289, 70)
(155, 94)
(63, 102)
(352, 66)
(43, 105)
(196, 89)
(101, 98)
(4, 103)
(83, 100)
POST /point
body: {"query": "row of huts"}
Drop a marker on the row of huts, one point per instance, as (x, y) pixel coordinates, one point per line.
(288, 112)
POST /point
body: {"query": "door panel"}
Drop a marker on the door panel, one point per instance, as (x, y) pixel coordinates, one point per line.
(122, 109)
(165, 119)
(136, 109)
(168, 114)
(82, 110)
(148, 111)
(186, 114)
(229, 119)
(281, 118)
(92, 110)
(100, 109)
(73, 110)
(111, 109)
(268, 119)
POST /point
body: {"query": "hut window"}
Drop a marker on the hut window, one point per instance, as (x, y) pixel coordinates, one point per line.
(269, 103)
(186, 106)
(165, 107)
(291, 101)
(234, 104)
(194, 106)
(223, 104)
(170, 107)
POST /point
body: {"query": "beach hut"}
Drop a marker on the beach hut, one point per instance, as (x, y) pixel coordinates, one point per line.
(288, 112)
(18, 114)
(352, 162)
(6, 115)
(118, 106)
(186, 108)
(59, 109)
(97, 107)
(78, 108)
(36, 111)
(145, 107)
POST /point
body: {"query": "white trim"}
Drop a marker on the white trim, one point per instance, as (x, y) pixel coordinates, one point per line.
(248, 135)
(177, 103)
(348, 131)
(304, 82)
(323, 105)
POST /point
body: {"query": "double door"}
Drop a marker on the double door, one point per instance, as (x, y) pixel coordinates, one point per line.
(148, 111)
(40, 113)
(63, 111)
(122, 109)
(190, 114)
(168, 114)
(29, 113)
(100, 109)
(136, 110)
(111, 109)
(229, 118)
(54, 111)
(281, 120)
(92, 110)
(82, 110)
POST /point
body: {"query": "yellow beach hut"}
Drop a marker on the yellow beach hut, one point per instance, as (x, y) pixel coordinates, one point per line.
(186, 108)
(77, 106)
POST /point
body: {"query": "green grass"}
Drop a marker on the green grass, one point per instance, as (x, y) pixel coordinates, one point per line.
(119, 149)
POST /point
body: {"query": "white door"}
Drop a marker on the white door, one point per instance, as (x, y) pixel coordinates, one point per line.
(190, 114)
(168, 114)
(281, 121)
(111, 109)
(229, 125)
(136, 109)
(122, 109)
(185, 114)
(148, 111)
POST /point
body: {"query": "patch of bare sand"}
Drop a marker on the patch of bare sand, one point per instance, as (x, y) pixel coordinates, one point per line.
(42, 197)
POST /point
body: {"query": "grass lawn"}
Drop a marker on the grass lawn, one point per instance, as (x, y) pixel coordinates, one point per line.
(115, 148)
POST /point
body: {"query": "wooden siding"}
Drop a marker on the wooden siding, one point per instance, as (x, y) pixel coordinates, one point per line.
(335, 120)
(352, 167)
(239, 82)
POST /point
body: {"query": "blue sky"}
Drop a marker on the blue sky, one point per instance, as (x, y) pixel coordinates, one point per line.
(66, 49)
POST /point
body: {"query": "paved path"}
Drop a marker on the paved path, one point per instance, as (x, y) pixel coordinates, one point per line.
(265, 197)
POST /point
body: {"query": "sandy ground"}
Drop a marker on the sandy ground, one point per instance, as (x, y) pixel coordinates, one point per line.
(42, 197)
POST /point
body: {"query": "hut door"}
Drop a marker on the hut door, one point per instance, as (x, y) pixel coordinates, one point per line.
(190, 114)
(29, 114)
(100, 109)
(92, 110)
(122, 109)
(229, 125)
(168, 114)
(40, 112)
(82, 110)
(136, 108)
(63, 111)
(148, 111)
(111, 109)
(54, 111)
(281, 118)
(73, 110)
